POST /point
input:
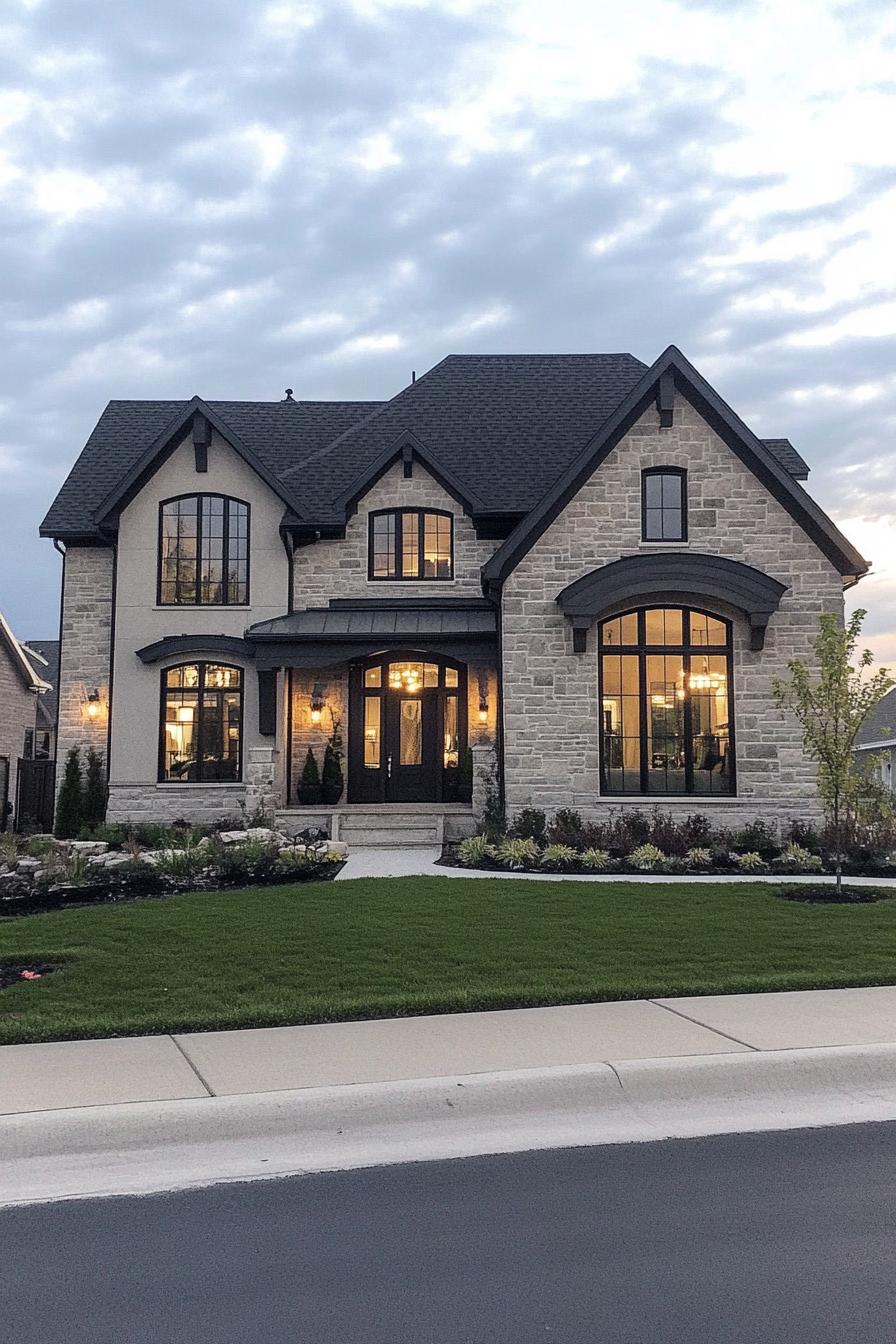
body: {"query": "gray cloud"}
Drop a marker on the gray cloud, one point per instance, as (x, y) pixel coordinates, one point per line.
(240, 244)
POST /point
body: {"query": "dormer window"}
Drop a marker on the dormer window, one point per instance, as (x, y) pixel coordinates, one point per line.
(203, 551)
(664, 504)
(411, 545)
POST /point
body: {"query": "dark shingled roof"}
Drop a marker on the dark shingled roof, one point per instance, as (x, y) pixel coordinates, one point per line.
(880, 725)
(789, 458)
(502, 427)
(281, 433)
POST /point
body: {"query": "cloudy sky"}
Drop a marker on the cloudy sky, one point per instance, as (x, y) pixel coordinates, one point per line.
(228, 198)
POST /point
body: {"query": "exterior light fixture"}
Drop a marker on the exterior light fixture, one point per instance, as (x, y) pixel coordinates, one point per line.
(92, 704)
(483, 698)
(317, 702)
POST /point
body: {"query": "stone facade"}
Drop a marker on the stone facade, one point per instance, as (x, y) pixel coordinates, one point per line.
(85, 666)
(339, 568)
(551, 718)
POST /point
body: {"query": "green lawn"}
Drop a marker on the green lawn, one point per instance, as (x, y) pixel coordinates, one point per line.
(372, 948)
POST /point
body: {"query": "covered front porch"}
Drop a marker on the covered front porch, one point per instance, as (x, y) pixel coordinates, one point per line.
(406, 691)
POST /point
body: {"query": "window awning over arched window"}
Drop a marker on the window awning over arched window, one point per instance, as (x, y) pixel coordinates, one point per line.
(682, 578)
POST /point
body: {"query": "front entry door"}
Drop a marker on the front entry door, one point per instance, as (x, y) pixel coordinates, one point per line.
(411, 745)
(407, 730)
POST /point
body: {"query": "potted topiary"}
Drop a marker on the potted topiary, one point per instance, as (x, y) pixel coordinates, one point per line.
(331, 776)
(309, 788)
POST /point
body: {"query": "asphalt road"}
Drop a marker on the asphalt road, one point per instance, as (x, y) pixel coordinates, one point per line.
(783, 1238)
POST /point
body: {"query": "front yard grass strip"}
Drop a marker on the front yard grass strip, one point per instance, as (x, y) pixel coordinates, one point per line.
(391, 947)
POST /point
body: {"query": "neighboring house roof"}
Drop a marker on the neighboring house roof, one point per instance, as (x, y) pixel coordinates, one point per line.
(20, 660)
(672, 371)
(880, 725)
(48, 651)
(498, 430)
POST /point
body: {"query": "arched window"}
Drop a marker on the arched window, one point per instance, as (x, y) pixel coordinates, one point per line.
(666, 703)
(201, 728)
(410, 544)
(203, 551)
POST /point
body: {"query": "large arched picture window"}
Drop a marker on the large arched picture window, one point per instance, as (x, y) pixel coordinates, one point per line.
(201, 726)
(203, 551)
(666, 703)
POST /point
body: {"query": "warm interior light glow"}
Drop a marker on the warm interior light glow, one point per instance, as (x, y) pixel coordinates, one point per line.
(185, 714)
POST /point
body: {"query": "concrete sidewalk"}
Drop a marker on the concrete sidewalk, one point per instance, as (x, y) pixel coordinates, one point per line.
(74, 1074)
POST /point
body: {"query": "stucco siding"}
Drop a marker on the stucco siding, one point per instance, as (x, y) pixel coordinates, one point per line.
(140, 620)
(551, 716)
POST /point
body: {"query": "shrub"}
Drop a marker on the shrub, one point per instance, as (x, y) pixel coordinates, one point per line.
(494, 821)
(566, 828)
(94, 790)
(647, 859)
(475, 851)
(698, 857)
(558, 858)
(668, 834)
(758, 837)
(70, 803)
(9, 848)
(622, 833)
(331, 777)
(596, 859)
(528, 825)
(516, 854)
(749, 862)
(796, 859)
(805, 834)
(254, 860)
(182, 864)
(697, 830)
(309, 788)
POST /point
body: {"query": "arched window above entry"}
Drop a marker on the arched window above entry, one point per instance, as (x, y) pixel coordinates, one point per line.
(666, 703)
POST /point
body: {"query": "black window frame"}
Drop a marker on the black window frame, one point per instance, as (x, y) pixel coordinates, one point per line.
(687, 648)
(200, 689)
(398, 576)
(681, 474)
(199, 497)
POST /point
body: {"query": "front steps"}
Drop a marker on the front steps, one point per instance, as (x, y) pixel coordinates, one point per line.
(384, 825)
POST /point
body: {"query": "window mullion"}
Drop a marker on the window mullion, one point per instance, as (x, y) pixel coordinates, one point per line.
(688, 727)
(398, 534)
(197, 595)
(421, 534)
(200, 726)
(225, 554)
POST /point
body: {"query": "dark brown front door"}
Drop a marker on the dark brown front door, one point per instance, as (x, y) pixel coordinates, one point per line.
(407, 730)
(411, 746)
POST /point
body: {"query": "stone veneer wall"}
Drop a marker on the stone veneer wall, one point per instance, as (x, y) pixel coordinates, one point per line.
(339, 568)
(551, 694)
(85, 655)
(334, 681)
(18, 711)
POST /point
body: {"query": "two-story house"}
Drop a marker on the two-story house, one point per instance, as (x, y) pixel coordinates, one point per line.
(571, 579)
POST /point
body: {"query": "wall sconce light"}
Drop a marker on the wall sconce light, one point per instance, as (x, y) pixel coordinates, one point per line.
(317, 702)
(92, 704)
(483, 700)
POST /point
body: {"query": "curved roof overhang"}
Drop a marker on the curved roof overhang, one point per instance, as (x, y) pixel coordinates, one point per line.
(672, 577)
(222, 646)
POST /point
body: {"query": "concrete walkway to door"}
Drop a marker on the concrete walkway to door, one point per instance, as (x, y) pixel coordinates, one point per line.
(422, 861)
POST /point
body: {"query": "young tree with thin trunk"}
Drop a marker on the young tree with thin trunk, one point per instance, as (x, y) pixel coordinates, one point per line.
(831, 704)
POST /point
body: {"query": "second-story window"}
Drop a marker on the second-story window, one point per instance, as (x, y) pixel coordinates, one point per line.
(664, 504)
(203, 551)
(409, 544)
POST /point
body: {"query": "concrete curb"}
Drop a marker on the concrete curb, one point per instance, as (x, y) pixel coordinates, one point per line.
(144, 1148)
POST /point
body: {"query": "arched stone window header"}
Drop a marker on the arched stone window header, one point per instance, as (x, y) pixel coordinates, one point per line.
(677, 578)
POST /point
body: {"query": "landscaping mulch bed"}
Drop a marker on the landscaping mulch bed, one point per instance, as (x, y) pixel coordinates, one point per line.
(17, 972)
(828, 894)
